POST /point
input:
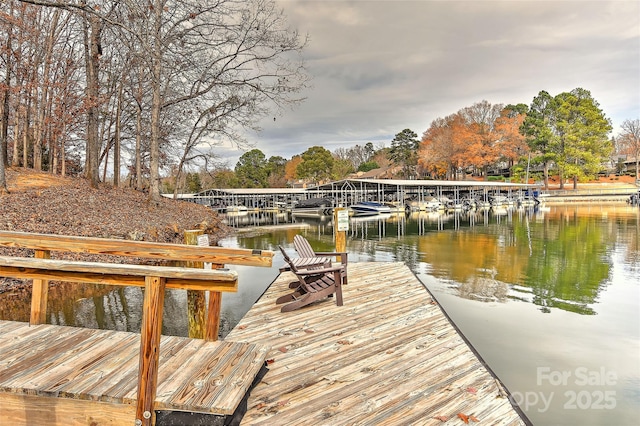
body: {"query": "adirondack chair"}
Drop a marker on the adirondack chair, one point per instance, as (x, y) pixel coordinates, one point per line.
(312, 284)
(304, 250)
(301, 263)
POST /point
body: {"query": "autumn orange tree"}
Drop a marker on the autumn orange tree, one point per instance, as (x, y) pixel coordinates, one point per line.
(481, 137)
(511, 145)
(290, 168)
(442, 150)
(477, 138)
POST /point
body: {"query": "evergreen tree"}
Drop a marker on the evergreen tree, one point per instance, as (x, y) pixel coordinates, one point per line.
(404, 147)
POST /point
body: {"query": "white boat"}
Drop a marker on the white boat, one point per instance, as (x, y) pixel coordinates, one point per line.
(429, 204)
(365, 208)
(370, 218)
(236, 209)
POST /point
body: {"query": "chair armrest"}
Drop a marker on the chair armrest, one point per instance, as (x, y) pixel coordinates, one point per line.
(305, 272)
(343, 255)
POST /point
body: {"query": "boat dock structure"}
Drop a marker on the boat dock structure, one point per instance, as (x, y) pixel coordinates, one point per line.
(351, 191)
(388, 356)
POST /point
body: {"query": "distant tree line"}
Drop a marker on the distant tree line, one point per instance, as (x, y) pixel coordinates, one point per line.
(566, 133)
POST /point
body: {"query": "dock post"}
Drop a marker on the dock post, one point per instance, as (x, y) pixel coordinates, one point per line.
(195, 298)
(340, 227)
(213, 313)
(153, 306)
(39, 294)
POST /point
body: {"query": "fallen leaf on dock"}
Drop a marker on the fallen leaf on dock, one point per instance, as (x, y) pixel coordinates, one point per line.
(471, 390)
(465, 418)
(270, 361)
(282, 349)
(441, 418)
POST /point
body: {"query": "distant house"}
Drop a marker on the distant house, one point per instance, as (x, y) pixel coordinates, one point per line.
(380, 173)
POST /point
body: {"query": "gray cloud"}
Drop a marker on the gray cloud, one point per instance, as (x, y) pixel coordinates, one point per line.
(379, 67)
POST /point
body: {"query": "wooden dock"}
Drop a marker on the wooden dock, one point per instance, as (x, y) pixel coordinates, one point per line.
(76, 376)
(388, 356)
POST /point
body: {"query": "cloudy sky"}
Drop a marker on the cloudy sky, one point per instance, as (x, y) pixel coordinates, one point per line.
(379, 67)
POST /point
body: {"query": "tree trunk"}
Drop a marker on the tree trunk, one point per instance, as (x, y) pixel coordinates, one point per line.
(63, 159)
(25, 134)
(15, 161)
(3, 180)
(4, 116)
(116, 149)
(156, 104)
(4, 104)
(40, 127)
(92, 41)
(138, 184)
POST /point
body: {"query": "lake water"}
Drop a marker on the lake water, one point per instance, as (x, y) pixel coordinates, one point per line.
(549, 298)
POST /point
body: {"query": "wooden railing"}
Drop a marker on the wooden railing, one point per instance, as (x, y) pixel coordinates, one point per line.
(41, 268)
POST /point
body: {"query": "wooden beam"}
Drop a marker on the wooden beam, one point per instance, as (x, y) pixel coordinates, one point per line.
(114, 274)
(65, 243)
(29, 410)
(39, 293)
(149, 349)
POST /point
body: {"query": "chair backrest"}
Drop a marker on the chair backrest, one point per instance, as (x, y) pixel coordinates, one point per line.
(285, 255)
(303, 247)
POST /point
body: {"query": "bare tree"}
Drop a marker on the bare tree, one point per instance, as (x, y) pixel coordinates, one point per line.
(629, 141)
(219, 66)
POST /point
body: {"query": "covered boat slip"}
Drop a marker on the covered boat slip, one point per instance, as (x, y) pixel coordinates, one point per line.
(76, 376)
(349, 191)
(388, 356)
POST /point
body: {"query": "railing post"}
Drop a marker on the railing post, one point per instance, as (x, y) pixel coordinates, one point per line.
(149, 349)
(199, 327)
(195, 298)
(340, 228)
(213, 313)
(39, 293)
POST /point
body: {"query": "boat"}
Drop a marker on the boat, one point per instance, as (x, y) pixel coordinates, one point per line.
(428, 204)
(368, 208)
(527, 201)
(239, 209)
(454, 205)
(313, 207)
(499, 201)
(370, 218)
(395, 207)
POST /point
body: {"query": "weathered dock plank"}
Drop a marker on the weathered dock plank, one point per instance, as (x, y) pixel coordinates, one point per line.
(90, 376)
(388, 356)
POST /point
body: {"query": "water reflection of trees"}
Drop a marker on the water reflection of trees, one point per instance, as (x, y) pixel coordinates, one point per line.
(558, 260)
